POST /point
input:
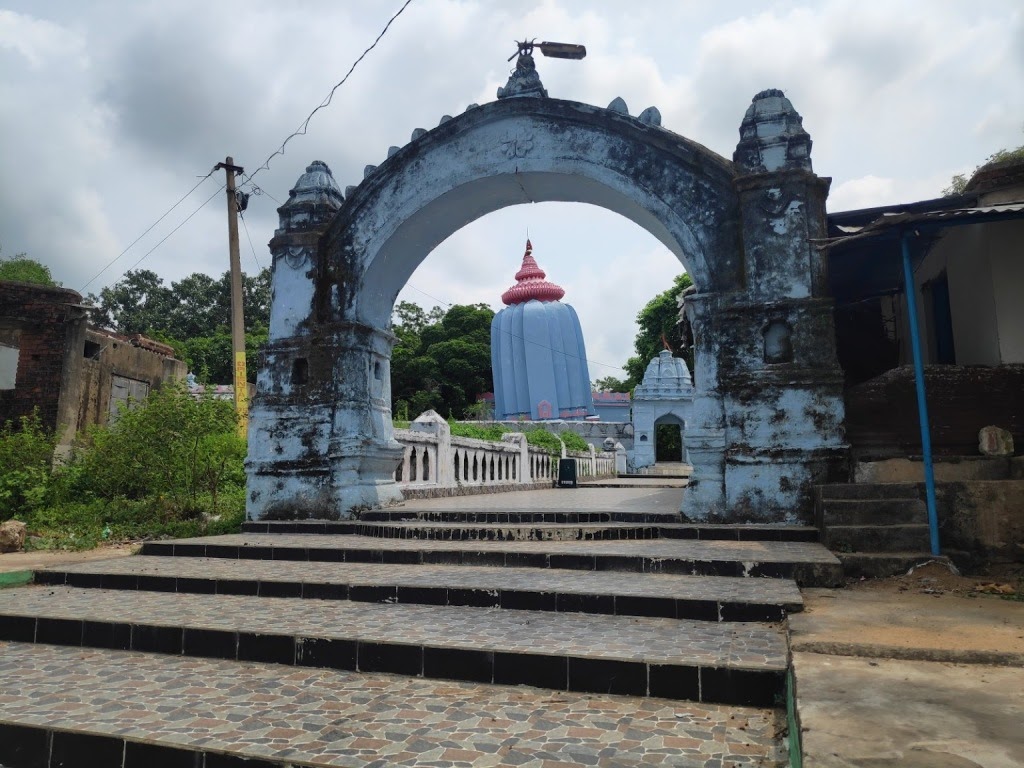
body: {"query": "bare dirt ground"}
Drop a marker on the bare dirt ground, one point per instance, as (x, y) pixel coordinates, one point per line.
(935, 578)
(11, 562)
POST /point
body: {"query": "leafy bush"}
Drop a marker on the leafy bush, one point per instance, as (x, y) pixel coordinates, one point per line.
(478, 431)
(574, 442)
(544, 439)
(170, 465)
(85, 524)
(171, 447)
(26, 452)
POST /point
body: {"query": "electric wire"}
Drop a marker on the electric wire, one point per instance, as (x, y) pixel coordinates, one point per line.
(148, 230)
(303, 127)
(185, 221)
(248, 178)
(246, 228)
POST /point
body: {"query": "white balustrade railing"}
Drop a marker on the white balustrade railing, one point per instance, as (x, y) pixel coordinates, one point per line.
(433, 458)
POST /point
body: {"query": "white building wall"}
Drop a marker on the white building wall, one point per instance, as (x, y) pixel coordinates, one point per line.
(1007, 259)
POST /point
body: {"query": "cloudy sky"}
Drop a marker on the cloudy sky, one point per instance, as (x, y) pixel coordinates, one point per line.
(111, 110)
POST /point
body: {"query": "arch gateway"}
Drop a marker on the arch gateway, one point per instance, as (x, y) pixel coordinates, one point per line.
(767, 412)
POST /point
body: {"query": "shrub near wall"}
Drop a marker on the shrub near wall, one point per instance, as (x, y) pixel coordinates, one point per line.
(26, 450)
(171, 466)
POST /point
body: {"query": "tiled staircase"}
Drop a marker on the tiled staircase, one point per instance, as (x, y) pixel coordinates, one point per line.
(875, 529)
(441, 639)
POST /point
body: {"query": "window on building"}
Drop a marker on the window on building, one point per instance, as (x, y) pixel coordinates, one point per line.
(10, 350)
(130, 392)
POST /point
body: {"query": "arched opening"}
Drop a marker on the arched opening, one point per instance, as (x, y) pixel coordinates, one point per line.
(668, 443)
(333, 293)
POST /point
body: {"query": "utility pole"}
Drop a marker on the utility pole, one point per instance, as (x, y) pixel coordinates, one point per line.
(237, 322)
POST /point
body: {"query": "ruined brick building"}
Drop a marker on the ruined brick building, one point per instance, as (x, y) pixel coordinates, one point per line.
(76, 374)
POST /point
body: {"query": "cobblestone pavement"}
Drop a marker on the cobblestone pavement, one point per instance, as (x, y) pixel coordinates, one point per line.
(719, 588)
(651, 640)
(684, 549)
(328, 718)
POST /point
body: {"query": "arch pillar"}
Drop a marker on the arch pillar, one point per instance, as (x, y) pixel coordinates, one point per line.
(321, 441)
(771, 390)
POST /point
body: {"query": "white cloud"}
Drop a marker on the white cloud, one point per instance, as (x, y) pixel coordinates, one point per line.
(110, 111)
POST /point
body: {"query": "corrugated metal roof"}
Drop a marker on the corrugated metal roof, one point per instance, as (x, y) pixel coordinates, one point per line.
(887, 222)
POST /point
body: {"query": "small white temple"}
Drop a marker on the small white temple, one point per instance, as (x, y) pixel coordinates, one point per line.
(664, 397)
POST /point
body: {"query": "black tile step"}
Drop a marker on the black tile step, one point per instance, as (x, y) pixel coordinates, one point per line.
(707, 598)
(808, 563)
(732, 663)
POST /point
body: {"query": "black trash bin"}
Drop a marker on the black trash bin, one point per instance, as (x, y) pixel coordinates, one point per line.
(566, 473)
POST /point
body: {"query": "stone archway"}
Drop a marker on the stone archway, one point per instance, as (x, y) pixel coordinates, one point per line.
(321, 443)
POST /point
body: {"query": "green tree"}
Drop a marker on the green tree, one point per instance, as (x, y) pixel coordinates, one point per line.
(659, 329)
(138, 303)
(442, 360)
(197, 305)
(958, 184)
(25, 270)
(612, 384)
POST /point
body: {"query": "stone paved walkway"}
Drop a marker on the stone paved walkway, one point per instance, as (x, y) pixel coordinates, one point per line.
(328, 718)
(650, 640)
(199, 653)
(681, 549)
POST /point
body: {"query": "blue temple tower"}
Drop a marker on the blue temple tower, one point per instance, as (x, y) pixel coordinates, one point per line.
(538, 359)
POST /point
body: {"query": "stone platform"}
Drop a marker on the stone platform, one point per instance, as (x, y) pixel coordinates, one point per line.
(345, 649)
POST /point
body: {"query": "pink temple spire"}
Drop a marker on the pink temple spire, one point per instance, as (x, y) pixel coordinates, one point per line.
(530, 283)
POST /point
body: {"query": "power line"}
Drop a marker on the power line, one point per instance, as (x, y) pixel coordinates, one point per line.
(529, 341)
(301, 130)
(248, 180)
(149, 229)
(246, 228)
(165, 237)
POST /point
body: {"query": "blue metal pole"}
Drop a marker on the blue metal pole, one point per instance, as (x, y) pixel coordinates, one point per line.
(922, 403)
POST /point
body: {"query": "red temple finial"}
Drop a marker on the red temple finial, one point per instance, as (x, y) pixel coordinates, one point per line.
(530, 283)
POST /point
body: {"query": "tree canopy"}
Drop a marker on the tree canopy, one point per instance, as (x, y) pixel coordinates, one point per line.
(659, 329)
(193, 315)
(197, 305)
(442, 360)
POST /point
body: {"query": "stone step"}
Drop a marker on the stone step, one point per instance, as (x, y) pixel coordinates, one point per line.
(474, 522)
(878, 565)
(868, 491)
(809, 564)
(610, 531)
(485, 515)
(708, 598)
(872, 511)
(732, 663)
(135, 710)
(877, 538)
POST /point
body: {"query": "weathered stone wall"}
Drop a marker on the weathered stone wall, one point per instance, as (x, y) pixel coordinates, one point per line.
(882, 420)
(983, 519)
(116, 355)
(52, 330)
(65, 368)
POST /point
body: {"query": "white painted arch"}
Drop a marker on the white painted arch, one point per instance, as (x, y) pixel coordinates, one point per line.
(524, 150)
